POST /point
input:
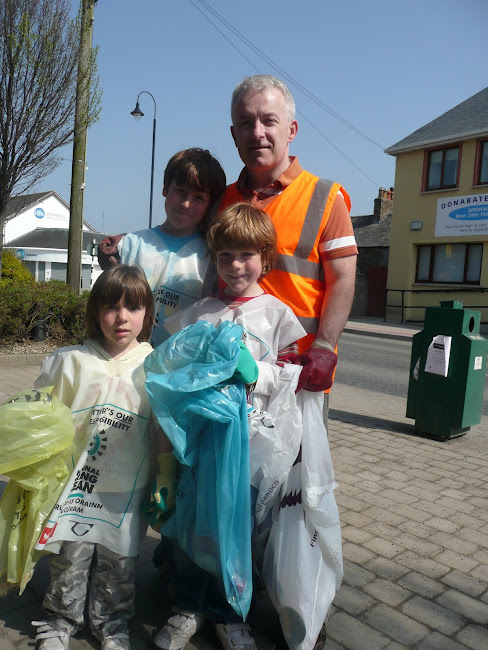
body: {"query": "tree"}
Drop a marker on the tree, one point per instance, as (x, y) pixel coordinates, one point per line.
(39, 55)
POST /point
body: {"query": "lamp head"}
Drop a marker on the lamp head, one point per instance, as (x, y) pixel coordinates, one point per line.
(137, 113)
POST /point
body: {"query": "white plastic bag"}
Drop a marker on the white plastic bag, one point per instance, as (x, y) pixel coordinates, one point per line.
(318, 482)
(274, 440)
(302, 567)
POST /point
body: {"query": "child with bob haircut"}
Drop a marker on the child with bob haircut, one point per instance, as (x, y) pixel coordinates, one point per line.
(242, 244)
(95, 531)
(173, 255)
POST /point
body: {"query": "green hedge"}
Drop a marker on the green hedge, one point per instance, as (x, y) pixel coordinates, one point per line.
(53, 307)
(13, 270)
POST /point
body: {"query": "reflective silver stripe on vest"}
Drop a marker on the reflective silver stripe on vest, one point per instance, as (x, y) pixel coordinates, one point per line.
(303, 268)
(299, 263)
(310, 325)
(313, 218)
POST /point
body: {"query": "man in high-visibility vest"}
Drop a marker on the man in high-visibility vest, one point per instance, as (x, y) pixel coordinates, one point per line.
(316, 270)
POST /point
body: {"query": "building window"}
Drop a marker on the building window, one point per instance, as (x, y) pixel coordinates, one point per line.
(449, 263)
(442, 168)
(482, 164)
(59, 271)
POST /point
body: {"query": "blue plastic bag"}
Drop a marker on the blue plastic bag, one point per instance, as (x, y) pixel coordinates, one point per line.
(205, 417)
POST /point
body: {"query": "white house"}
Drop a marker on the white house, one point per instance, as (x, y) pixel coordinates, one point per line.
(36, 229)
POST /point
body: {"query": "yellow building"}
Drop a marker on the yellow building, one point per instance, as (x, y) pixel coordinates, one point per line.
(439, 231)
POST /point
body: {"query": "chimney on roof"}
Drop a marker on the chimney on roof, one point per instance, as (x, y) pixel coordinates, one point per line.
(383, 204)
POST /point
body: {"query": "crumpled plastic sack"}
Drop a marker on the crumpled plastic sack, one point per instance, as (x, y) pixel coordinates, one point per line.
(302, 567)
(205, 417)
(274, 442)
(36, 436)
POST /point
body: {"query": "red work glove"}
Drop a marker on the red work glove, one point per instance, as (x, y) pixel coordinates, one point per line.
(318, 368)
(108, 254)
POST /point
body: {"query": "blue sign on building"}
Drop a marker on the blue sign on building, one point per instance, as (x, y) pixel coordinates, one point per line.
(39, 212)
(470, 213)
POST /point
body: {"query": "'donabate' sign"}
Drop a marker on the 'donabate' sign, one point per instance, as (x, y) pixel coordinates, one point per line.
(459, 216)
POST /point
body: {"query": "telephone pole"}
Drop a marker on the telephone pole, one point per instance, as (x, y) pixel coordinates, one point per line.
(75, 237)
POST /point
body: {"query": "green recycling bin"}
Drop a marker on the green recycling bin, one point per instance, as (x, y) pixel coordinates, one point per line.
(447, 371)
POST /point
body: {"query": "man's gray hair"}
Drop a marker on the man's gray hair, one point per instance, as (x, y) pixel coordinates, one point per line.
(260, 82)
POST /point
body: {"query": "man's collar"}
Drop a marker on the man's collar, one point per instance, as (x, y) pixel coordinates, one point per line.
(288, 176)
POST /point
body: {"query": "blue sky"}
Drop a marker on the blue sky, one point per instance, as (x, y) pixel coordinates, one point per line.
(385, 66)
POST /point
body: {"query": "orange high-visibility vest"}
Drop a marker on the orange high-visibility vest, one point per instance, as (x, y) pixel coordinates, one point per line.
(300, 214)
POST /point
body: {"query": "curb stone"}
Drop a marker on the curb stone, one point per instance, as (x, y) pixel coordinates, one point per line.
(22, 359)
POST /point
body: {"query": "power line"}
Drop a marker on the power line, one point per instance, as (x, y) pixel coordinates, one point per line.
(338, 150)
(293, 81)
(227, 39)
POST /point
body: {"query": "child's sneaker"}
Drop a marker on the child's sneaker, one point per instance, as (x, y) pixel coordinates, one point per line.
(235, 636)
(116, 642)
(178, 630)
(50, 639)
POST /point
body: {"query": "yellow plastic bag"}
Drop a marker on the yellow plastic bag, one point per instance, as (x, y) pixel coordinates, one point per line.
(36, 436)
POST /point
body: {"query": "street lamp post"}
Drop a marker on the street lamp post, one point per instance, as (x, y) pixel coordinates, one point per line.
(137, 113)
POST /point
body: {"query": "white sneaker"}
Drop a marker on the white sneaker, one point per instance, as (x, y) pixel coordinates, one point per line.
(116, 642)
(178, 630)
(50, 639)
(235, 636)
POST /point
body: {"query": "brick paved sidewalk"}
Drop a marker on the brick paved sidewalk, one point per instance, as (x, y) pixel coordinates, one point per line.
(415, 541)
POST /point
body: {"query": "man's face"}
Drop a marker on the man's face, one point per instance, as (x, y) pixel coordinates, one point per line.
(262, 131)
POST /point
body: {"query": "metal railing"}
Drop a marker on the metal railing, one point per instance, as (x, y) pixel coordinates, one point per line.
(402, 306)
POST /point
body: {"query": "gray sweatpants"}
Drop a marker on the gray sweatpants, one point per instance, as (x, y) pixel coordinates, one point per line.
(86, 569)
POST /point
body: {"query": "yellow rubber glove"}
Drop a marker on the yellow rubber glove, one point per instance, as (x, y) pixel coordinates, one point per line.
(163, 501)
(165, 484)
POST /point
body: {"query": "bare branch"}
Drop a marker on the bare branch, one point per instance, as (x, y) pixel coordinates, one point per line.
(39, 58)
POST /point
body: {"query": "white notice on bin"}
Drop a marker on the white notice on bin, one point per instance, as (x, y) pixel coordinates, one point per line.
(438, 355)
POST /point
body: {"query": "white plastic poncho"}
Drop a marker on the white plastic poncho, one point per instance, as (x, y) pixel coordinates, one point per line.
(111, 462)
(177, 278)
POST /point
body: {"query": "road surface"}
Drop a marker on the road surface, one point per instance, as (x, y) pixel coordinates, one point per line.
(371, 387)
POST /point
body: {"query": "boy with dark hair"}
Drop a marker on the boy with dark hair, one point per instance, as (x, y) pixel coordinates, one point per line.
(173, 254)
